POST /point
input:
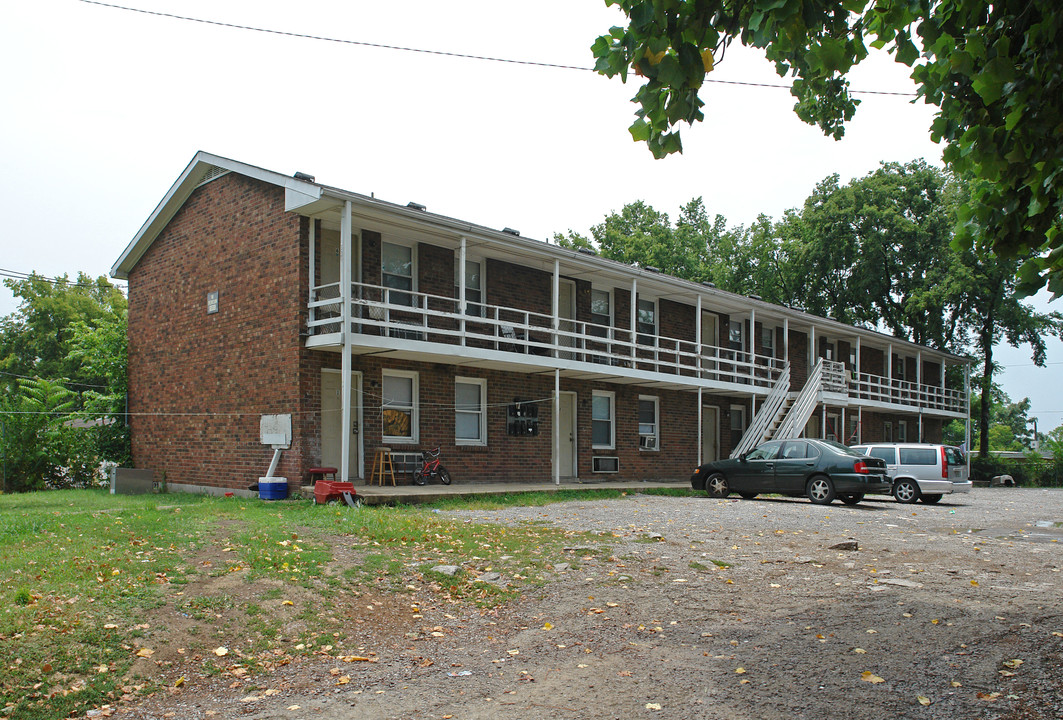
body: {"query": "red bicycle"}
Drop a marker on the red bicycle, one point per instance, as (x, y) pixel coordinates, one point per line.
(431, 468)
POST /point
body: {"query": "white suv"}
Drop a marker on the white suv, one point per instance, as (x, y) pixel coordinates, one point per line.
(920, 471)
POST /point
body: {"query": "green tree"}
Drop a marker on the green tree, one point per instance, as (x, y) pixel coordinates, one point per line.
(876, 252)
(41, 446)
(993, 312)
(34, 340)
(993, 69)
(70, 334)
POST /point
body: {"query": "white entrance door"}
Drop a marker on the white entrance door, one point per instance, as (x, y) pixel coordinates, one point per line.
(332, 421)
(710, 335)
(566, 462)
(710, 434)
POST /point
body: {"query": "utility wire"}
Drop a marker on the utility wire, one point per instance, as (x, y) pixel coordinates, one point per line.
(556, 66)
(18, 275)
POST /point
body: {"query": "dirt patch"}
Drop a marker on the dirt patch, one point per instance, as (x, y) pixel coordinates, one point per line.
(700, 609)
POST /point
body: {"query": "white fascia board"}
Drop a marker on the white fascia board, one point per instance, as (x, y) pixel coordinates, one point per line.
(179, 192)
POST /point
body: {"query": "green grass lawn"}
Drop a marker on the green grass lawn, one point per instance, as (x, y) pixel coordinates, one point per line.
(83, 568)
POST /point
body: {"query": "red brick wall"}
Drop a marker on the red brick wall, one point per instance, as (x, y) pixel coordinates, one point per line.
(197, 382)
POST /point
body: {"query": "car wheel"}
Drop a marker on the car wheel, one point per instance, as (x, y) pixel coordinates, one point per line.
(444, 475)
(716, 486)
(851, 499)
(820, 490)
(748, 496)
(930, 499)
(906, 491)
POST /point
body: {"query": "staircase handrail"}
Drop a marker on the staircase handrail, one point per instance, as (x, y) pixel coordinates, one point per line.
(768, 413)
(794, 422)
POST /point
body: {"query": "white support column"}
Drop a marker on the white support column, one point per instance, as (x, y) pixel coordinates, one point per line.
(823, 423)
(556, 306)
(752, 333)
(919, 389)
(857, 368)
(634, 308)
(461, 288)
(967, 424)
(860, 424)
(557, 427)
(889, 364)
(843, 431)
(701, 429)
(345, 361)
(313, 275)
(786, 339)
(811, 348)
(697, 340)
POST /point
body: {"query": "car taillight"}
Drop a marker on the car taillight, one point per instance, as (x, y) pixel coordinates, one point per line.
(861, 467)
(944, 465)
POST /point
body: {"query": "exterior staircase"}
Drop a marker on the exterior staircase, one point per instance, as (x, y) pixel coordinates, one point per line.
(783, 415)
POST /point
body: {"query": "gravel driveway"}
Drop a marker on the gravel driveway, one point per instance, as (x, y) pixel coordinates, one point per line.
(702, 608)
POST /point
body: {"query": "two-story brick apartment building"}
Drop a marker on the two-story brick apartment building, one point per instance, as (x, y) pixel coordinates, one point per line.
(374, 324)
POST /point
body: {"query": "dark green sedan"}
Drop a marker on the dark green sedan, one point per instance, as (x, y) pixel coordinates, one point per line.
(821, 470)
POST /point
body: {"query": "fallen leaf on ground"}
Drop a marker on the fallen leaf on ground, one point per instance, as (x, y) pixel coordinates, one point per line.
(221, 651)
(923, 700)
(859, 651)
(868, 676)
(740, 671)
(653, 706)
(1012, 663)
(145, 652)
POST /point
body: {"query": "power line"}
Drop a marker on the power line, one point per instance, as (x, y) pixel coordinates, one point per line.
(382, 46)
(19, 275)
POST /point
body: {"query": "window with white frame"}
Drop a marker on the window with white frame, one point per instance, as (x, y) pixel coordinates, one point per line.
(736, 334)
(649, 423)
(399, 406)
(396, 272)
(603, 420)
(738, 424)
(898, 367)
(601, 311)
(767, 341)
(646, 320)
(474, 286)
(902, 431)
(470, 411)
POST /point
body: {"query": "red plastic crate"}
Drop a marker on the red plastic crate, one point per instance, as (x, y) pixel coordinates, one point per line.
(326, 491)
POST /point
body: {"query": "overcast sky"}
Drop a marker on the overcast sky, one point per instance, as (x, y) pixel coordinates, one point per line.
(103, 108)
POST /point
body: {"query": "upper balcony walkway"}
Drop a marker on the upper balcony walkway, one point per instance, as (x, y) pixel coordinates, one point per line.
(420, 325)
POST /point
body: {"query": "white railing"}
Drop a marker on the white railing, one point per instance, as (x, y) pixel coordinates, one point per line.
(901, 392)
(770, 412)
(381, 311)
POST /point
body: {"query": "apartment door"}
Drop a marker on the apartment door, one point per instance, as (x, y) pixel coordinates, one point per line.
(332, 423)
(710, 433)
(566, 312)
(710, 336)
(566, 411)
(833, 429)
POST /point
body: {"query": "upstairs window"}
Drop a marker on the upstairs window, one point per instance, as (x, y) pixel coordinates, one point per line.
(646, 320)
(474, 284)
(767, 341)
(396, 272)
(601, 312)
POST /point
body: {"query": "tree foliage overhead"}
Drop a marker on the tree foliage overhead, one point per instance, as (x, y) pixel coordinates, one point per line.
(993, 69)
(876, 252)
